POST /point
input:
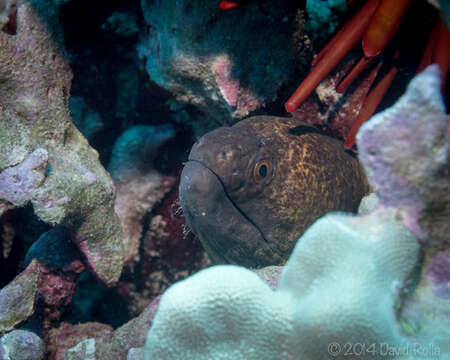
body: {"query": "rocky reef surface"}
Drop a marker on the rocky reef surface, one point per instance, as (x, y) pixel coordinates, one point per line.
(382, 268)
(196, 51)
(99, 107)
(372, 265)
(44, 158)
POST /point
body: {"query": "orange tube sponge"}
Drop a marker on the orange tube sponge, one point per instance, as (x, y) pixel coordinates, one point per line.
(357, 69)
(384, 25)
(441, 53)
(228, 5)
(347, 40)
(427, 57)
(370, 105)
(437, 51)
(336, 38)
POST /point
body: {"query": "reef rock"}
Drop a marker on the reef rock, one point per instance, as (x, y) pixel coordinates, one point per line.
(196, 51)
(57, 287)
(60, 264)
(169, 253)
(412, 134)
(128, 340)
(54, 249)
(134, 151)
(88, 121)
(351, 279)
(67, 336)
(138, 184)
(21, 345)
(44, 155)
(324, 15)
(405, 151)
(115, 345)
(18, 298)
(6, 10)
(270, 275)
(135, 354)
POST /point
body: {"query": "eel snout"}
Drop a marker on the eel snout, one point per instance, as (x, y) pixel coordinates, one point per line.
(224, 231)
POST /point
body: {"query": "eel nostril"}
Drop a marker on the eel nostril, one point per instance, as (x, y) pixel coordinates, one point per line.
(222, 155)
(225, 155)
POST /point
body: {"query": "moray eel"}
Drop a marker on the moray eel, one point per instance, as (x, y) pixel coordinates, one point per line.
(250, 190)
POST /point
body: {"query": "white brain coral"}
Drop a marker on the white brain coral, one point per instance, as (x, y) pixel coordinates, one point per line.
(340, 286)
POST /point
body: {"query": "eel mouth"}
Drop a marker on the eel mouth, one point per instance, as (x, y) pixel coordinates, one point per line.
(226, 233)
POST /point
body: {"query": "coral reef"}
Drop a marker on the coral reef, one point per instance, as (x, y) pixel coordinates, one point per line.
(21, 345)
(128, 340)
(49, 12)
(242, 318)
(416, 182)
(169, 253)
(88, 121)
(66, 336)
(332, 110)
(156, 249)
(18, 298)
(420, 185)
(323, 15)
(60, 265)
(270, 275)
(149, 77)
(127, 80)
(56, 288)
(196, 51)
(134, 151)
(104, 343)
(54, 265)
(6, 10)
(228, 312)
(44, 155)
(21, 181)
(121, 23)
(138, 185)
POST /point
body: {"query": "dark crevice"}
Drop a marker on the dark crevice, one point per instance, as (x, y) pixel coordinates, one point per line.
(11, 26)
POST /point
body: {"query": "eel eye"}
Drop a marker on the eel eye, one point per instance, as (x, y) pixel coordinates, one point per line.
(261, 170)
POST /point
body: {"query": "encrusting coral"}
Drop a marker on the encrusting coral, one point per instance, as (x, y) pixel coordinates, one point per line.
(195, 50)
(416, 181)
(344, 291)
(139, 186)
(43, 158)
(18, 298)
(21, 345)
(323, 15)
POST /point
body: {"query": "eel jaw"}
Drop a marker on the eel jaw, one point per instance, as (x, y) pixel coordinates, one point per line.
(226, 234)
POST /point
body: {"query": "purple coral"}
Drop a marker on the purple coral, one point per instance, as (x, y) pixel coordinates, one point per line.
(404, 150)
(17, 183)
(439, 274)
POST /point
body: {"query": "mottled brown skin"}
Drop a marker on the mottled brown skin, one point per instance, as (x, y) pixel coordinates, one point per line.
(256, 221)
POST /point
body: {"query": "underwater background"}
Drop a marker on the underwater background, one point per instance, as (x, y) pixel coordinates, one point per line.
(215, 179)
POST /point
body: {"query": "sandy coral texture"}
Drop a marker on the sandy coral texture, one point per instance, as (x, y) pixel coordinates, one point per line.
(43, 158)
